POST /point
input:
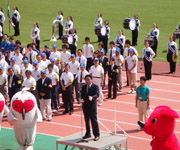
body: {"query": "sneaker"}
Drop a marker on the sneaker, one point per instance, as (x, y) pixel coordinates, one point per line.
(133, 92)
(100, 104)
(55, 111)
(49, 120)
(139, 128)
(120, 90)
(129, 92)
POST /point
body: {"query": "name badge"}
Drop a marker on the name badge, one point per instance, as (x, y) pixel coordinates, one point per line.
(45, 84)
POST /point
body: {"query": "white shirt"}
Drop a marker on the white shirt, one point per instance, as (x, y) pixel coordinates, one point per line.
(127, 51)
(33, 55)
(4, 64)
(36, 74)
(98, 22)
(56, 69)
(88, 50)
(173, 47)
(59, 19)
(74, 67)
(120, 40)
(2, 20)
(56, 55)
(10, 81)
(150, 51)
(118, 60)
(84, 73)
(42, 65)
(67, 78)
(138, 22)
(131, 61)
(96, 71)
(3, 78)
(1, 34)
(68, 25)
(154, 32)
(23, 70)
(74, 37)
(54, 77)
(65, 56)
(113, 52)
(16, 68)
(16, 15)
(35, 33)
(82, 59)
(19, 59)
(29, 83)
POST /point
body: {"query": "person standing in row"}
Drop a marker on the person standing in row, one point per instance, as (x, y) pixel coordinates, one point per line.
(136, 30)
(142, 100)
(112, 50)
(67, 90)
(65, 55)
(120, 41)
(132, 61)
(80, 58)
(47, 51)
(60, 21)
(97, 73)
(31, 54)
(98, 23)
(172, 51)
(55, 53)
(15, 19)
(90, 93)
(155, 33)
(118, 61)
(35, 35)
(73, 45)
(105, 37)
(88, 52)
(44, 86)
(68, 25)
(147, 56)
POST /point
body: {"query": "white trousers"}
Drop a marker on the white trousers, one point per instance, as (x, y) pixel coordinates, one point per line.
(98, 82)
(45, 104)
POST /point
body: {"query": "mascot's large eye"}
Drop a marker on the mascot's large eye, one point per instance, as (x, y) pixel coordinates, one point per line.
(154, 120)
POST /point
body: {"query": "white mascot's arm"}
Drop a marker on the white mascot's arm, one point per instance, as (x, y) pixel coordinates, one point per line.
(38, 115)
(11, 118)
(6, 110)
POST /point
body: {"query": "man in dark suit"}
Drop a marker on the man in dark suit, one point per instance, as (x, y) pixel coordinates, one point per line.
(14, 83)
(112, 74)
(89, 94)
(104, 61)
(44, 85)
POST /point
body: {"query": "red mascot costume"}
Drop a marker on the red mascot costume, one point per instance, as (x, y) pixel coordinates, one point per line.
(161, 126)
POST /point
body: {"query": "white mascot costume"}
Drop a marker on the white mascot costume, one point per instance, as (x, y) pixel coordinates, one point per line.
(3, 108)
(23, 115)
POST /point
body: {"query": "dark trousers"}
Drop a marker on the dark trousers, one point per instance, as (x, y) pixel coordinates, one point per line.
(171, 63)
(60, 31)
(75, 86)
(11, 92)
(147, 68)
(99, 38)
(113, 83)
(1, 37)
(134, 37)
(126, 67)
(68, 98)
(38, 44)
(16, 28)
(73, 49)
(105, 42)
(122, 50)
(154, 47)
(54, 97)
(89, 64)
(90, 113)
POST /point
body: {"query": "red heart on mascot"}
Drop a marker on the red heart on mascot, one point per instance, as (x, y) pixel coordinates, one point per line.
(2, 103)
(28, 105)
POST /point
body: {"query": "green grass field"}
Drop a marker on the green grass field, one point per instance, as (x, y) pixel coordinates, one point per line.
(163, 12)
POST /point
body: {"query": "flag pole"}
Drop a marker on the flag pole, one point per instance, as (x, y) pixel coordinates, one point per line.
(9, 17)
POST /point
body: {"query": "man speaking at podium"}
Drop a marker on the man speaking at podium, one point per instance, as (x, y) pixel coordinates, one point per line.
(89, 94)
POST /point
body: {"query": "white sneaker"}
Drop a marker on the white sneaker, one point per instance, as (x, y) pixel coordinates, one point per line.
(129, 92)
(139, 129)
(29, 148)
(133, 92)
(55, 111)
(100, 104)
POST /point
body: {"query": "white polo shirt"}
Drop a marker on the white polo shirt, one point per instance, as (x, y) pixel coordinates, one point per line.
(81, 59)
(19, 59)
(74, 67)
(88, 50)
(4, 64)
(33, 55)
(65, 56)
(67, 78)
(131, 61)
(96, 71)
(29, 83)
(36, 74)
(149, 50)
(56, 55)
(84, 73)
(118, 60)
(54, 77)
(16, 68)
(127, 51)
(3, 78)
(23, 70)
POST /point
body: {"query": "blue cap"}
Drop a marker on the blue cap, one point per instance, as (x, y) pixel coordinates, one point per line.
(131, 50)
(102, 51)
(43, 71)
(52, 59)
(46, 46)
(1, 53)
(96, 59)
(35, 62)
(1, 67)
(55, 46)
(13, 59)
(26, 61)
(43, 54)
(82, 65)
(72, 55)
(118, 49)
